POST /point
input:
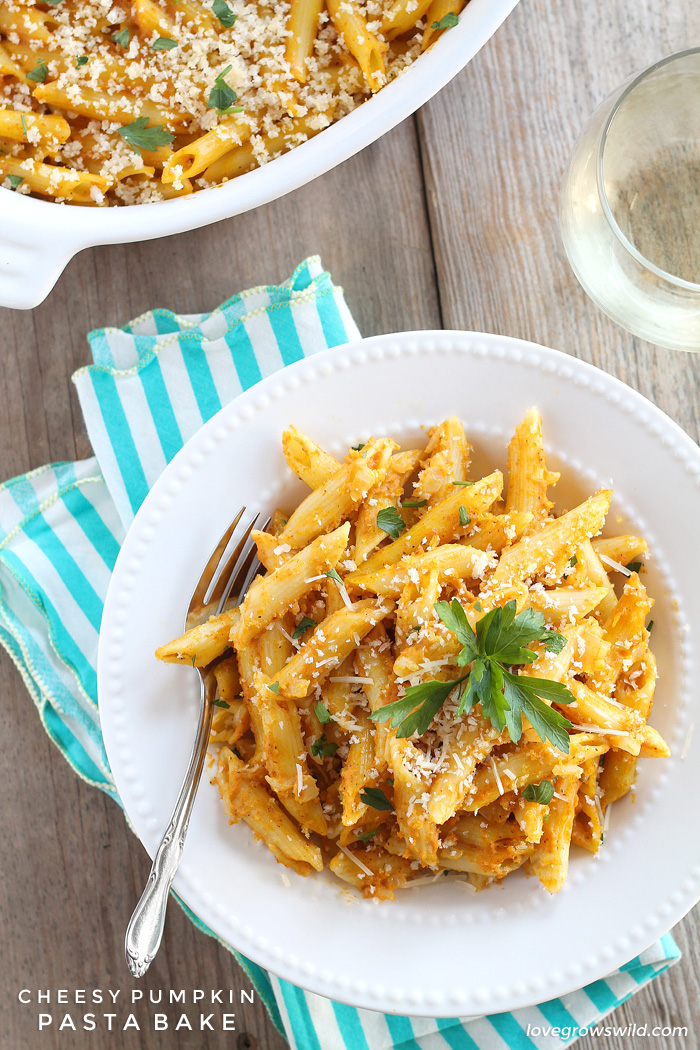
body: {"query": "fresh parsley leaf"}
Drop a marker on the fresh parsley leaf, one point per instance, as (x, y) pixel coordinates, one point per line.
(54, 3)
(414, 712)
(415, 503)
(82, 61)
(140, 136)
(323, 748)
(39, 73)
(499, 642)
(364, 836)
(462, 483)
(221, 96)
(391, 522)
(455, 619)
(375, 798)
(121, 38)
(504, 635)
(15, 181)
(542, 793)
(634, 566)
(464, 518)
(274, 688)
(358, 448)
(333, 575)
(323, 714)
(224, 13)
(448, 21)
(221, 703)
(526, 696)
(305, 624)
(573, 560)
(494, 703)
(164, 43)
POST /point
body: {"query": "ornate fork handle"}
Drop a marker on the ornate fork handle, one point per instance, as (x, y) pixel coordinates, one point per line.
(145, 929)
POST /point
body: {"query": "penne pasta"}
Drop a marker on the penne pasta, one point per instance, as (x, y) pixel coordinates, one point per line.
(367, 49)
(303, 26)
(424, 681)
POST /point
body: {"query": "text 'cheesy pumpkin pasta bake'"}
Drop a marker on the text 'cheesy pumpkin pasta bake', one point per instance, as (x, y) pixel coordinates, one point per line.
(131, 101)
(436, 675)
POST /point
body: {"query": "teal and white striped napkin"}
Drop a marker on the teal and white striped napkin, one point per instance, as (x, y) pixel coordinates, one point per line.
(151, 385)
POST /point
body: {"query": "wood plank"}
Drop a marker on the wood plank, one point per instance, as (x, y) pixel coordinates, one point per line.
(494, 145)
(72, 871)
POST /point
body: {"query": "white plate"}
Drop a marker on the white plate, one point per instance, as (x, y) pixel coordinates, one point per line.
(437, 950)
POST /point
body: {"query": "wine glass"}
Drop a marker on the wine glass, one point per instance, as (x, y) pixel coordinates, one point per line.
(630, 204)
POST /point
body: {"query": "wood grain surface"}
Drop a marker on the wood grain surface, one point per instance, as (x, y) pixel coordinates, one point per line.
(450, 220)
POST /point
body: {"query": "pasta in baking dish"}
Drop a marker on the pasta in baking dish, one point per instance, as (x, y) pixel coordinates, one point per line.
(132, 101)
(435, 676)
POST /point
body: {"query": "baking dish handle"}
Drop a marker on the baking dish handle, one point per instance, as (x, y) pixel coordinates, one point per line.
(32, 255)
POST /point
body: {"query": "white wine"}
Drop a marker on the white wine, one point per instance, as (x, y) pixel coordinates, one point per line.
(658, 210)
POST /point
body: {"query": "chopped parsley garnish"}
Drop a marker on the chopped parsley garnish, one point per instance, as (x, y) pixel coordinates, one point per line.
(24, 125)
(364, 836)
(323, 714)
(375, 798)
(358, 448)
(54, 3)
(305, 624)
(121, 38)
(498, 643)
(391, 522)
(39, 73)
(464, 518)
(323, 748)
(140, 136)
(221, 96)
(634, 566)
(164, 43)
(542, 793)
(224, 13)
(221, 703)
(274, 688)
(333, 575)
(448, 21)
(462, 483)
(573, 560)
(650, 625)
(15, 181)
(415, 503)
(82, 61)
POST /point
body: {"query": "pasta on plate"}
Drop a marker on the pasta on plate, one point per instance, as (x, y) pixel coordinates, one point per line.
(435, 676)
(132, 101)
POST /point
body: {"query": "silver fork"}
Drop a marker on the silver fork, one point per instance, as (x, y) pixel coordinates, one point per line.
(230, 569)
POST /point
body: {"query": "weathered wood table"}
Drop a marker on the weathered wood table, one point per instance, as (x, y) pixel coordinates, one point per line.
(449, 221)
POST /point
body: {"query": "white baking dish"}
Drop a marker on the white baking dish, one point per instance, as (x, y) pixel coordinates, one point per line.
(38, 238)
